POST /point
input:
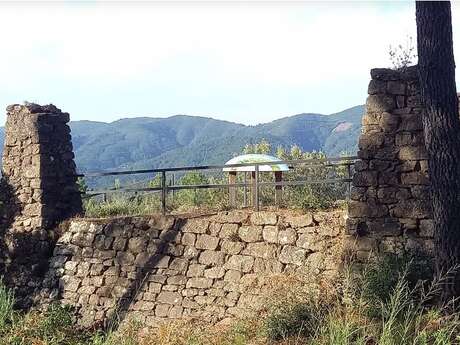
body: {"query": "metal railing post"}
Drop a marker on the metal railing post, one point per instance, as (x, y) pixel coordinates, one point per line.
(173, 180)
(256, 188)
(349, 182)
(252, 186)
(163, 192)
(245, 190)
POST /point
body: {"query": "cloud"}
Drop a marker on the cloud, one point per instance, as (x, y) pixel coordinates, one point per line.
(265, 42)
(72, 52)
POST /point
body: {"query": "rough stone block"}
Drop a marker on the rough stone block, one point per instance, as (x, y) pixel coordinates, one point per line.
(119, 243)
(190, 253)
(288, 236)
(125, 258)
(162, 310)
(250, 233)
(228, 230)
(380, 103)
(168, 297)
(264, 218)
(292, 255)
(412, 153)
(154, 287)
(211, 258)
(214, 273)
(241, 263)
(231, 247)
(389, 123)
(367, 209)
(188, 239)
(376, 86)
(179, 265)
(411, 208)
(233, 276)
(137, 245)
(386, 227)
(207, 242)
(260, 250)
(414, 178)
(396, 88)
(270, 234)
(83, 239)
(199, 283)
(311, 242)
(385, 74)
(365, 179)
(196, 225)
(299, 221)
(237, 217)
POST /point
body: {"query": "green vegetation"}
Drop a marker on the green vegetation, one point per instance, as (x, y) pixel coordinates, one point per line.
(122, 205)
(318, 195)
(55, 326)
(352, 311)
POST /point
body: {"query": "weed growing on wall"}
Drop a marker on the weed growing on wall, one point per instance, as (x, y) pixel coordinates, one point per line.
(403, 55)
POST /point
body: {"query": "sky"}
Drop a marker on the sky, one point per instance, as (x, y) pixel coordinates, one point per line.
(248, 62)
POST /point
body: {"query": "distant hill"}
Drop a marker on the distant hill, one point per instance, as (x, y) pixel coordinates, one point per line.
(145, 142)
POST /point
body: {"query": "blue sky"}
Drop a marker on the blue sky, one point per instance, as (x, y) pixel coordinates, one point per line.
(248, 62)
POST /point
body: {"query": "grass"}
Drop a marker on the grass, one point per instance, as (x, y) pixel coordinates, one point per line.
(122, 206)
(189, 201)
(352, 311)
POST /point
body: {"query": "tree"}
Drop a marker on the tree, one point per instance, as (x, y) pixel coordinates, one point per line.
(263, 147)
(441, 125)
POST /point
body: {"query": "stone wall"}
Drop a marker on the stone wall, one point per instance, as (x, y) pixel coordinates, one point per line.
(390, 207)
(38, 190)
(155, 268)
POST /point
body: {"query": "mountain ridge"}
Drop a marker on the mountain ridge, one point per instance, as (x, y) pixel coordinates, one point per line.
(152, 142)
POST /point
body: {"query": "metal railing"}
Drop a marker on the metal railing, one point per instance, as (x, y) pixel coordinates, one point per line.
(254, 184)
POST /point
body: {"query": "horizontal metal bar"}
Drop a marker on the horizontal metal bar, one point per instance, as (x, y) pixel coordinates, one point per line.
(217, 186)
(299, 183)
(104, 191)
(204, 186)
(343, 161)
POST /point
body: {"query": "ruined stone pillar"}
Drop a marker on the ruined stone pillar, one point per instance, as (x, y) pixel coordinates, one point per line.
(38, 167)
(38, 191)
(390, 208)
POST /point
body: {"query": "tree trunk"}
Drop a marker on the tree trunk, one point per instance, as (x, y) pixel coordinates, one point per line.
(441, 125)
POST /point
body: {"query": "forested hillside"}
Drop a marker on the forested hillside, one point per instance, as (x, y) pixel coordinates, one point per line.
(145, 142)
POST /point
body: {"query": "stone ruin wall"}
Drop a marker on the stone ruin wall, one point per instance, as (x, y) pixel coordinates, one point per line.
(390, 207)
(157, 268)
(162, 267)
(38, 190)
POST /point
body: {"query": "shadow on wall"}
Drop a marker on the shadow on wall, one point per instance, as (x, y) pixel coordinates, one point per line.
(105, 269)
(24, 255)
(147, 263)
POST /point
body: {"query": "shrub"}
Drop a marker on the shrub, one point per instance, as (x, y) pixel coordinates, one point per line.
(297, 319)
(315, 195)
(203, 198)
(380, 277)
(81, 184)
